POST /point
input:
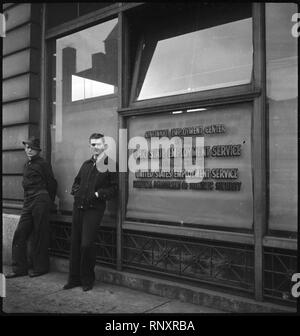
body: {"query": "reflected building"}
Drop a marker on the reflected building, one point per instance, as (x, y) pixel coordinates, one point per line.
(101, 77)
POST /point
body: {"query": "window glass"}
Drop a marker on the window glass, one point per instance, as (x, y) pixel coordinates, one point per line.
(87, 62)
(84, 86)
(203, 48)
(282, 95)
(164, 194)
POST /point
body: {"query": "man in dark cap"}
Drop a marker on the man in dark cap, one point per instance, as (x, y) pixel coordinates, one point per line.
(39, 187)
(91, 189)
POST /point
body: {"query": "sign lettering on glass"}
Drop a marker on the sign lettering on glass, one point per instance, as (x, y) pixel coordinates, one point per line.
(230, 150)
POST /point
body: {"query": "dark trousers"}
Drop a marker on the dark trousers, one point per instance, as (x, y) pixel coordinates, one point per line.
(33, 224)
(83, 244)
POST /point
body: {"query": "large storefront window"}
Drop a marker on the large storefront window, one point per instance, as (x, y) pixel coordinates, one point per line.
(282, 94)
(224, 197)
(84, 71)
(208, 47)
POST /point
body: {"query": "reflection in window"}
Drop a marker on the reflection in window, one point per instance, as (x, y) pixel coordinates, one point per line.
(215, 54)
(91, 55)
(83, 88)
(282, 94)
(86, 67)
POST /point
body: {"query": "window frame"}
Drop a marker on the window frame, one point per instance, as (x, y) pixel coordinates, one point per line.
(255, 92)
(251, 92)
(274, 237)
(197, 95)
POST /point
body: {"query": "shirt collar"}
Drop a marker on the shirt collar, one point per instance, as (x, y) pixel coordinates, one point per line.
(34, 158)
(100, 157)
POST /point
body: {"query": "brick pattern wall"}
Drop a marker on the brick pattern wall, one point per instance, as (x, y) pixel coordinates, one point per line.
(21, 91)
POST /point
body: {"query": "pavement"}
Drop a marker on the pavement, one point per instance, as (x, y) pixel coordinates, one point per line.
(44, 294)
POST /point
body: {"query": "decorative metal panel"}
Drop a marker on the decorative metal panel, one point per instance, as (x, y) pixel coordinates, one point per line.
(106, 246)
(209, 262)
(227, 265)
(279, 266)
(105, 243)
(60, 239)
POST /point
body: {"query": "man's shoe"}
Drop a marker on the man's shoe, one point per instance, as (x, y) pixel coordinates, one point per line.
(87, 288)
(71, 285)
(15, 275)
(33, 274)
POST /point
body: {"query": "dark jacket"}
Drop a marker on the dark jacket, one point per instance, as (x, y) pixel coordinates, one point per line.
(38, 177)
(88, 181)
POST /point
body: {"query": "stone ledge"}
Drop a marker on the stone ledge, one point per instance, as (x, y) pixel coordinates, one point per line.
(185, 293)
(9, 225)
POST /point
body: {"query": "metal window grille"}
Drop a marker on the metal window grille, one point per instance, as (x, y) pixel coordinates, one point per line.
(279, 266)
(208, 262)
(105, 244)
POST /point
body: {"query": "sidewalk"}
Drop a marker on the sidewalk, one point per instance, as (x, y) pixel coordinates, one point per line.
(44, 294)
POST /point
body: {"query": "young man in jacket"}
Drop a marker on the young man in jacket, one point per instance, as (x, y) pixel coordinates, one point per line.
(39, 187)
(91, 189)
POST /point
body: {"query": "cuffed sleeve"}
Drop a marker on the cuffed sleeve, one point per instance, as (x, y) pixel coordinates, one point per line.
(76, 183)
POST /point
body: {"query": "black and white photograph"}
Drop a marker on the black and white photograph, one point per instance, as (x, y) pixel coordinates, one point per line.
(150, 161)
